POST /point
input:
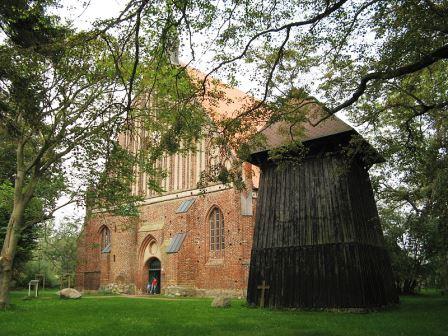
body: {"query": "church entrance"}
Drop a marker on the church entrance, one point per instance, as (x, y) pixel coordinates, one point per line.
(154, 272)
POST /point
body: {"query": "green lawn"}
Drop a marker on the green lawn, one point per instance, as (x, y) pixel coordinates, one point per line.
(48, 315)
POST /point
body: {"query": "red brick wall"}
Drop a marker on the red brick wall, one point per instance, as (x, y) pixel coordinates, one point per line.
(194, 265)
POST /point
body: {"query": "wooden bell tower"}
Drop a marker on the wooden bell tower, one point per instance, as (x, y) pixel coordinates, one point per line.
(318, 241)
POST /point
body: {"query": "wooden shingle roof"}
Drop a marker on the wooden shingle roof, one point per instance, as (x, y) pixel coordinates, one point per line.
(277, 134)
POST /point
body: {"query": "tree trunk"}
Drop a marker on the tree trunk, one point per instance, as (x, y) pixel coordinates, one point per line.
(9, 251)
(23, 192)
(409, 286)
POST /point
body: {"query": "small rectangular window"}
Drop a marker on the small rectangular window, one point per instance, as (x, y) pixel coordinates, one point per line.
(185, 205)
(176, 243)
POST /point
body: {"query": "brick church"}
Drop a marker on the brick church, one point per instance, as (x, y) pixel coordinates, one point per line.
(192, 242)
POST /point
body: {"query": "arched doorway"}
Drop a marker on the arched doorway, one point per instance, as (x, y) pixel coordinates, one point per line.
(149, 259)
(153, 266)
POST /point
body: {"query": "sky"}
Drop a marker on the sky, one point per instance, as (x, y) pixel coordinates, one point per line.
(82, 14)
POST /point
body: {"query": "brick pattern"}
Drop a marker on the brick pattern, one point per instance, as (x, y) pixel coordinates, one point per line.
(183, 169)
(135, 241)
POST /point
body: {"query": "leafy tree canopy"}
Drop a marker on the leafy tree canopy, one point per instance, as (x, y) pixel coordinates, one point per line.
(65, 98)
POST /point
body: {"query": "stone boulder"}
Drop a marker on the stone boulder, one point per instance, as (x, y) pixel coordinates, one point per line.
(69, 293)
(221, 302)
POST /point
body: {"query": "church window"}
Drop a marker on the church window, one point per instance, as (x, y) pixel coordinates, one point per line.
(105, 240)
(216, 220)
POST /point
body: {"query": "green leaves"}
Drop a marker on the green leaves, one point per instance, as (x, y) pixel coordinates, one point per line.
(290, 154)
(409, 128)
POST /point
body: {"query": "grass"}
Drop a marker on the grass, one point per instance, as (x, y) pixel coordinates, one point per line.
(48, 315)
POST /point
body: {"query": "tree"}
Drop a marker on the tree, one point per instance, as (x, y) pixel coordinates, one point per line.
(65, 98)
(59, 245)
(356, 46)
(28, 239)
(341, 53)
(410, 128)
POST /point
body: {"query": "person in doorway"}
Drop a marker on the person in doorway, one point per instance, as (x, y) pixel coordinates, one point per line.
(153, 285)
(148, 288)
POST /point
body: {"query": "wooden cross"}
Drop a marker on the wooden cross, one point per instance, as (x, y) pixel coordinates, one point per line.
(263, 288)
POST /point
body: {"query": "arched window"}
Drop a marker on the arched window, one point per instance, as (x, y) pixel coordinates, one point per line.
(216, 220)
(105, 240)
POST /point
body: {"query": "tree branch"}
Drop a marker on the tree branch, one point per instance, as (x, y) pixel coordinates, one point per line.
(437, 55)
(318, 17)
